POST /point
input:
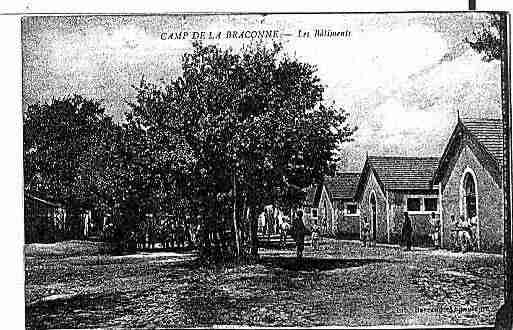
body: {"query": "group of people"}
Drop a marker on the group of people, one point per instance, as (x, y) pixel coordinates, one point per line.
(463, 232)
(406, 233)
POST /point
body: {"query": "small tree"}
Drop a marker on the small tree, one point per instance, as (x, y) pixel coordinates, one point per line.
(487, 39)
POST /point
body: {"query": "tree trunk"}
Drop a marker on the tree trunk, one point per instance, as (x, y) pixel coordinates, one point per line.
(244, 217)
(254, 235)
(235, 227)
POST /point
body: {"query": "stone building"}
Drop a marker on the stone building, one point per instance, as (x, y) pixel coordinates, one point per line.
(333, 207)
(388, 187)
(469, 177)
(310, 205)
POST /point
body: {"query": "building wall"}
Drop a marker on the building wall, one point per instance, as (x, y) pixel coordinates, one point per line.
(347, 225)
(489, 202)
(365, 208)
(326, 214)
(396, 211)
(420, 220)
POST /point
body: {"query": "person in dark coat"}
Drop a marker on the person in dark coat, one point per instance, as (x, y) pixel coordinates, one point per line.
(407, 232)
(299, 235)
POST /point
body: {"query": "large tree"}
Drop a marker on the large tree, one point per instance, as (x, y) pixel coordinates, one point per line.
(63, 141)
(70, 148)
(247, 129)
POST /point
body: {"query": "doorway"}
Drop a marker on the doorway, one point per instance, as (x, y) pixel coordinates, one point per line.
(469, 203)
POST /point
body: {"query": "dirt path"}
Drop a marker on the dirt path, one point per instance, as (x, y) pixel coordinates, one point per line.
(342, 284)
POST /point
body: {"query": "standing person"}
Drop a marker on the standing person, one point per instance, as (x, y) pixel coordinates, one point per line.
(299, 230)
(473, 232)
(180, 235)
(435, 230)
(284, 231)
(315, 236)
(407, 231)
(464, 233)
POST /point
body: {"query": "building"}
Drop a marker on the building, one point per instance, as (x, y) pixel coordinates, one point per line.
(332, 205)
(45, 221)
(469, 177)
(388, 187)
(310, 206)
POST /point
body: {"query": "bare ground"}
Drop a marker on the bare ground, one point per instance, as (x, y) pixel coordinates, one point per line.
(343, 284)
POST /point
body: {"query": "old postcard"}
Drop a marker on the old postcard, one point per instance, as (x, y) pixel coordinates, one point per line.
(267, 170)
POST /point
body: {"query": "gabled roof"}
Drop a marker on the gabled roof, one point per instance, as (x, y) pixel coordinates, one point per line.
(489, 133)
(486, 133)
(42, 201)
(403, 173)
(342, 186)
(313, 195)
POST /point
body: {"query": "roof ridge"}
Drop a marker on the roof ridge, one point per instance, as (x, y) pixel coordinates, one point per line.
(405, 157)
(480, 119)
(27, 194)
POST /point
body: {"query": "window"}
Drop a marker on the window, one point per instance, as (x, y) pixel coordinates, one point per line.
(470, 196)
(352, 209)
(422, 204)
(431, 204)
(314, 213)
(413, 204)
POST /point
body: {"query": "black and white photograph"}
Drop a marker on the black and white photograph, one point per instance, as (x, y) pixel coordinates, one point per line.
(267, 170)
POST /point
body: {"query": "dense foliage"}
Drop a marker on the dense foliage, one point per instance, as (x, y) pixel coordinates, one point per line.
(202, 153)
(487, 40)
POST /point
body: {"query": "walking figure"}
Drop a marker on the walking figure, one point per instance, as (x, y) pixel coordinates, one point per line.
(299, 229)
(407, 232)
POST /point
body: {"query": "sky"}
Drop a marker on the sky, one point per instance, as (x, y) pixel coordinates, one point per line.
(403, 78)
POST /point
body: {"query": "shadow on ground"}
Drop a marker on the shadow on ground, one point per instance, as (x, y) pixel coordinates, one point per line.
(190, 295)
(317, 264)
(77, 311)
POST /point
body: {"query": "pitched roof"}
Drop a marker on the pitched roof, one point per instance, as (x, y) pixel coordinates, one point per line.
(312, 195)
(342, 186)
(489, 133)
(42, 201)
(404, 173)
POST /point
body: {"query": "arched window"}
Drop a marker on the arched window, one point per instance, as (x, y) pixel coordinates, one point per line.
(469, 186)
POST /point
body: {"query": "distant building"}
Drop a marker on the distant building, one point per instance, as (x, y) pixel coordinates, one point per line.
(44, 221)
(469, 176)
(332, 205)
(311, 205)
(388, 187)
(48, 222)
